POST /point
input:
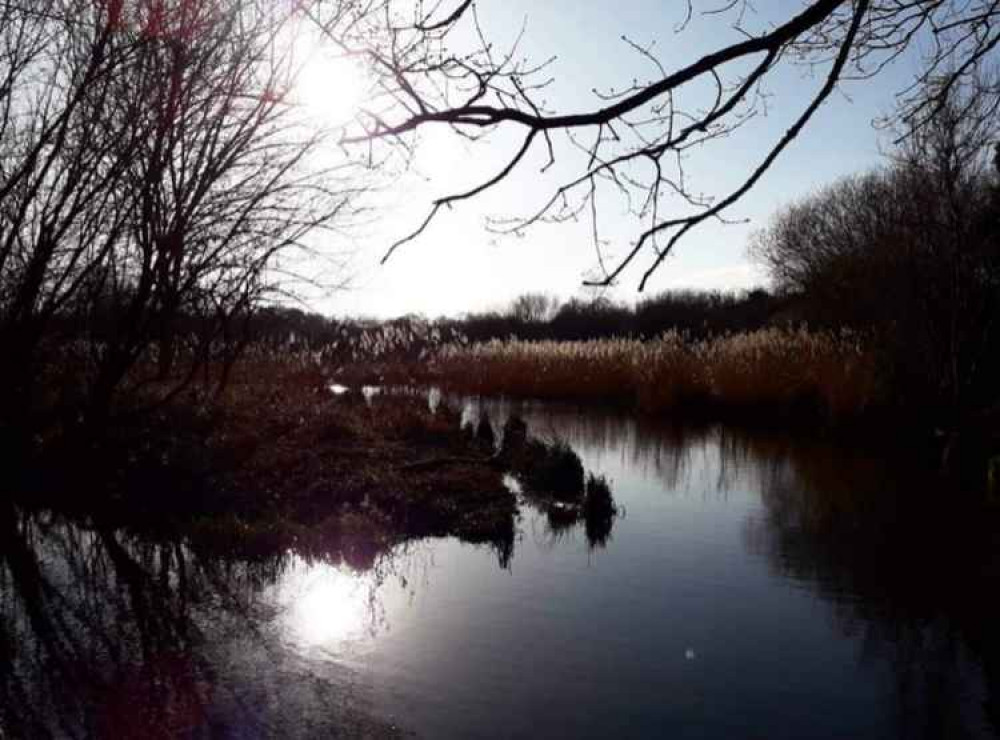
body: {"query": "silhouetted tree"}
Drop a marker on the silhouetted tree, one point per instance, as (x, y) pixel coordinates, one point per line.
(533, 307)
(585, 319)
(151, 171)
(912, 250)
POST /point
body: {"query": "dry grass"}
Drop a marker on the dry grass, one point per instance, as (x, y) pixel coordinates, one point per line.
(597, 369)
(785, 370)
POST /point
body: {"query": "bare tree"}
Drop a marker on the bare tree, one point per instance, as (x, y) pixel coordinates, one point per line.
(533, 307)
(153, 173)
(911, 250)
(221, 184)
(633, 139)
(58, 218)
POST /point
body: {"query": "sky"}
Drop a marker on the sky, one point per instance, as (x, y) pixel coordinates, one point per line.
(459, 265)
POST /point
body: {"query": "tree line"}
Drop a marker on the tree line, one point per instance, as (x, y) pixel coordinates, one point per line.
(536, 316)
(697, 314)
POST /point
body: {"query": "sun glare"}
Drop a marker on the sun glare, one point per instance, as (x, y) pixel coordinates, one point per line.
(327, 88)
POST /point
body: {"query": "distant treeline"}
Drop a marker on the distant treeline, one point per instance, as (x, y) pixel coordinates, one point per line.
(698, 314)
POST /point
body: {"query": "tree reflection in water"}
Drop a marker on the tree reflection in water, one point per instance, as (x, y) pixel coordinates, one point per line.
(110, 635)
(907, 564)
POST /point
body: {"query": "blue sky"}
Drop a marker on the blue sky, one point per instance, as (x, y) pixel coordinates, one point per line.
(458, 265)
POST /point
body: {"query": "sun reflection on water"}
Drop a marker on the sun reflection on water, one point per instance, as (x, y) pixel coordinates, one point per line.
(325, 605)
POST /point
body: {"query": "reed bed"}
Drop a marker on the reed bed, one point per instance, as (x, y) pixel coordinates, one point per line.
(780, 370)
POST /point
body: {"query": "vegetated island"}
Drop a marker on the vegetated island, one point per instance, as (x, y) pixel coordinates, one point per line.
(281, 460)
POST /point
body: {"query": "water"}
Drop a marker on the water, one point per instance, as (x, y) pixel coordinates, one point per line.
(753, 586)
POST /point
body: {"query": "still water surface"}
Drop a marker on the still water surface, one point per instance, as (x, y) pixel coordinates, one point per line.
(753, 586)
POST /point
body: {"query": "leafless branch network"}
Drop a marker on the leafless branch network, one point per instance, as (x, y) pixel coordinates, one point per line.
(635, 137)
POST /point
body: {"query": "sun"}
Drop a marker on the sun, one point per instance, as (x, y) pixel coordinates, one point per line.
(327, 88)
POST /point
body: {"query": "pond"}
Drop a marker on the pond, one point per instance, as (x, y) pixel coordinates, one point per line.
(752, 585)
